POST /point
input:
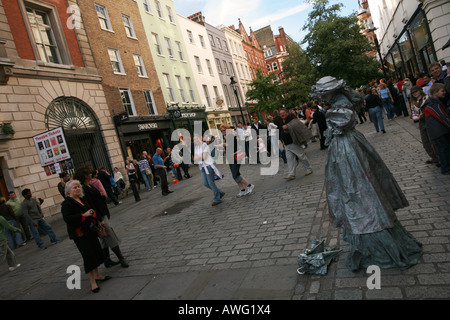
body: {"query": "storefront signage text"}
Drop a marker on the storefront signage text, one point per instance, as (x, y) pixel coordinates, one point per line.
(188, 115)
(147, 126)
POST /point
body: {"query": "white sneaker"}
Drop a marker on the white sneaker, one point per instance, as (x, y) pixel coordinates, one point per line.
(14, 268)
(289, 177)
(308, 172)
(249, 189)
(241, 194)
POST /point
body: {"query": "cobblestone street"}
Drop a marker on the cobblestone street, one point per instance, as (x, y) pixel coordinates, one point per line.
(247, 248)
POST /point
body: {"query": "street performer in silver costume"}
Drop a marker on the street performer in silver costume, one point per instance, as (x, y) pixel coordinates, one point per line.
(362, 193)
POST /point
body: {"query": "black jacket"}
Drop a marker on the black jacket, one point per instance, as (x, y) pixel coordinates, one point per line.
(96, 201)
(319, 118)
(71, 211)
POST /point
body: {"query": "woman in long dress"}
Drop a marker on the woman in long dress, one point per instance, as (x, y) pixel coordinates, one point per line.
(362, 193)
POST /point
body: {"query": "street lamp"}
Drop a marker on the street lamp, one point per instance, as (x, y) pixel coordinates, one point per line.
(234, 86)
(377, 45)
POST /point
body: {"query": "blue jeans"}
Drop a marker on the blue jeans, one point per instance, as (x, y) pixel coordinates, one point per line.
(14, 238)
(208, 181)
(389, 107)
(146, 180)
(45, 227)
(376, 116)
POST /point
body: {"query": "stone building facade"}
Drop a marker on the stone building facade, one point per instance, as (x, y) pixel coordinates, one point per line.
(52, 82)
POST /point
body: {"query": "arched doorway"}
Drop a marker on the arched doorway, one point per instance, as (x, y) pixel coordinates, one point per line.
(81, 129)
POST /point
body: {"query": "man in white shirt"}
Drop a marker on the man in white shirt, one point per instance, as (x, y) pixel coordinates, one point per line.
(240, 130)
(202, 156)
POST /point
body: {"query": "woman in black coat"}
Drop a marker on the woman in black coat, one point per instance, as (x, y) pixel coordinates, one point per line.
(81, 220)
(98, 203)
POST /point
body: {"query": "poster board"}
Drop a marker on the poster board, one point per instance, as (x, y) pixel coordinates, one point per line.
(52, 150)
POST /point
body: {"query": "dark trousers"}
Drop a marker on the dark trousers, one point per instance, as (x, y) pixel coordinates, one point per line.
(111, 195)
(26, 229)
(162, 174)
(443, 147)
(428, 144)
(133, 185)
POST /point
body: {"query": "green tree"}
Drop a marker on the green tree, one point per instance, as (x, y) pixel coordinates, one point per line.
(266, 91)
(336, 46)
(299, 72)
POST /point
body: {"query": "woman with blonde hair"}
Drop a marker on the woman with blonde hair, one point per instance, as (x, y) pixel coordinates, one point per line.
(81, 220)
(387, 99)
(245, 187)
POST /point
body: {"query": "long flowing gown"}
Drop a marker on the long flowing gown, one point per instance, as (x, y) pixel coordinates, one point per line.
(363, 196)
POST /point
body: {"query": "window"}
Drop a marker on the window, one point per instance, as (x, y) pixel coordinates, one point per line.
(208, 64)
(275, 66)
(211, 40)
(180, 50)
(169, 47)
(268, 53)
(129, 30)
(169, 87)
(225, 67)
(225, 46)
(127, 101)
(202, 41)
(231, 69)
(181, 89)
(170, 15)
(147, 6)
(199, 64)
(219, 43)
(103, 17)
(116, 62)
(219, 67)
(158, 9)
(227, 94)
(269, 68)
(43, 34)
(216, 92)
(208, 98)
(139, 63)
(157, 44)
(191, 90)
(190, 36)
(150, 101)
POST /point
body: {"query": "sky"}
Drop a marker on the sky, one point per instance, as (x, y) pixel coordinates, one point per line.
(256, 14)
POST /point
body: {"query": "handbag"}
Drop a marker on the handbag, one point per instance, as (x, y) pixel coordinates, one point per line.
(101, 231)
(148, 171)
(98, 228)
(239, 155)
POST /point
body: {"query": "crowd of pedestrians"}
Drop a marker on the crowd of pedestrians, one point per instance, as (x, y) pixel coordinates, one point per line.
(425, 99)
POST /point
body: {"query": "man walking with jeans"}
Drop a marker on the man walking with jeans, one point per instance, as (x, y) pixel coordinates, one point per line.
(294, 152)
(33, 213)
(160, 168)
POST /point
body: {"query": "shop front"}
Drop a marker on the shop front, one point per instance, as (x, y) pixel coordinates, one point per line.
(185, 118)
(143, 133)
(413, 50)
(216, 119)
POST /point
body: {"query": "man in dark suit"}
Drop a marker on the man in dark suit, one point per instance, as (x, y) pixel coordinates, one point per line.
(319, 118)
